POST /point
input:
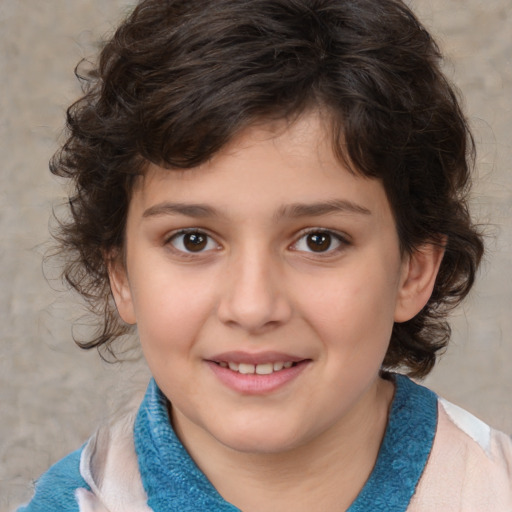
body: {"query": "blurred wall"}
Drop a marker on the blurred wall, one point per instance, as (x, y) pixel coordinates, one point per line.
(51, 393)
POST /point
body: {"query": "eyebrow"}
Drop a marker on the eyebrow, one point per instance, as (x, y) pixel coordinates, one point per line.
(188, 209)
(296, 210)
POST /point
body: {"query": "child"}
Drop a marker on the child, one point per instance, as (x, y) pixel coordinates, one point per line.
(273, 193)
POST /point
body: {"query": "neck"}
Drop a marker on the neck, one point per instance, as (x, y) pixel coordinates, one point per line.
(325, 474)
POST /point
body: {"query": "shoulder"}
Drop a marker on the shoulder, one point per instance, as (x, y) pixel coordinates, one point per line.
(469, 468)
(55, 489)
(102, 476)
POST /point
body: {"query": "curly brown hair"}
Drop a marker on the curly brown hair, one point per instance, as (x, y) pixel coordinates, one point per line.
(181, 77)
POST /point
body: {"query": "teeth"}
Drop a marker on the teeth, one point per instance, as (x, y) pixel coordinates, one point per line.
(245, 368)
(264, 369)
(259, 369)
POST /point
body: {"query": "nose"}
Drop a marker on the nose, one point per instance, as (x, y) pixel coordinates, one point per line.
(254, 293)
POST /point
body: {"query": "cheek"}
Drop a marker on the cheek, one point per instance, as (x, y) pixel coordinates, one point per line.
(353, 310)
(171, 310)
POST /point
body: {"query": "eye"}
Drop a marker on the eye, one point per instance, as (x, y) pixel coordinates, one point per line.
(319, 241)
(192, 242)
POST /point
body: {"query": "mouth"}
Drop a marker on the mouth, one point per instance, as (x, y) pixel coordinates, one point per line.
(257, 369)
(257, 374)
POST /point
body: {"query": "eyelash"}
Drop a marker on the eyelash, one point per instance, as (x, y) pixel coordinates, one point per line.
(333, 236)
(193, 231)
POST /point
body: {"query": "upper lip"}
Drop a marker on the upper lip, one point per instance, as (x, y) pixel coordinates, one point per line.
(240, 357)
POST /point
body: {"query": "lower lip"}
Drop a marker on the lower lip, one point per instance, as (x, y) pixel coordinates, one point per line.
(254, 384)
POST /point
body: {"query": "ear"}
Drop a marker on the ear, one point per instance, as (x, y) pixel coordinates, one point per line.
(419, 272)
(120, 287)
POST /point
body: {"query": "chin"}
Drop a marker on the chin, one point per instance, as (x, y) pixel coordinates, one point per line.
(263, 441)
(259, 446)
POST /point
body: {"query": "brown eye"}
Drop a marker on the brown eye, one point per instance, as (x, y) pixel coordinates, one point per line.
(319, 242)
(192, 242)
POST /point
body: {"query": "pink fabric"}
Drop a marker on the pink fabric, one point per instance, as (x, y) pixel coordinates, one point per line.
(109, 466)
(469, 469)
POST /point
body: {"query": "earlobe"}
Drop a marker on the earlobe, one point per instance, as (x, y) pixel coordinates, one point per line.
(120, 286)
(419, 272)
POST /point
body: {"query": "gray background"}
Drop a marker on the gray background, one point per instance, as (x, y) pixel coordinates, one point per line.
(51, 393)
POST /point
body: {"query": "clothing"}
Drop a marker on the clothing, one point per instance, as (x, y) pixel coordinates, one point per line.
(434, 457)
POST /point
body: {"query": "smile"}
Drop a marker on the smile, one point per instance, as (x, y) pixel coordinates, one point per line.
(257, 374)
(258, 369)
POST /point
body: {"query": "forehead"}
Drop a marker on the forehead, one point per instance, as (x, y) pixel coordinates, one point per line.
(266, 166)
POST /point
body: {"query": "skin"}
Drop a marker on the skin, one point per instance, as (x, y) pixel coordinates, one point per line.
(256, 285)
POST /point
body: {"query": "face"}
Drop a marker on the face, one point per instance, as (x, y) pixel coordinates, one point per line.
(264, 285)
